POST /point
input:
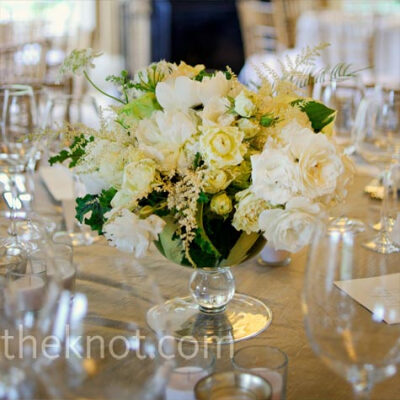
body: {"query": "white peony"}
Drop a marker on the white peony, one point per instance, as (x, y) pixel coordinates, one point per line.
(274, 175)
(214, 86)
(94, 184)
(163, 137)
(221, 146)
(129, 233)
(249, 127)
(319, 162)
(176, 94)
(244, 106)
(215, 112)
(292, 228)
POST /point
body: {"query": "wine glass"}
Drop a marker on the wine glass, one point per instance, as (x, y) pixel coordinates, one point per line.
(377, 134)
(72, 110)
(359, 342)
(344, 97)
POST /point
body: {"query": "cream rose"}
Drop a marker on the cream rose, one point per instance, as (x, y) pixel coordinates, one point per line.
(275, 176)
(244, 106)
(221, 204)
(248, 210)
(292, 228)
(215, 180)
(221, 146)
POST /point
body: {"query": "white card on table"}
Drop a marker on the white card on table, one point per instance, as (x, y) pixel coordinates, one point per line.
(59, 182)
(379, 294)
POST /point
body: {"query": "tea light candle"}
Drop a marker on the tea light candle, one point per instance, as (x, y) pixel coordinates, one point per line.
(66, 271)
(270, 256)
(182, 382)
(274, 378)
(28, 292)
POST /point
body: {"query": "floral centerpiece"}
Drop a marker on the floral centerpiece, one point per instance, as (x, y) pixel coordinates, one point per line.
(205, 167)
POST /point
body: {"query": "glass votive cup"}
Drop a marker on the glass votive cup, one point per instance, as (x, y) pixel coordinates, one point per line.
(191, 364)
(266, 361)
(61, 266)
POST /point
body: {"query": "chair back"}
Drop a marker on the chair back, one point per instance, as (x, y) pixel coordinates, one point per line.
(258, 27)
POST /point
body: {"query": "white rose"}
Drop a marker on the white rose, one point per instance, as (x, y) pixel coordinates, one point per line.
(180, 93)
(292, 228)
(221, 146)
(129, 233)
(274, 175)
(214, 86)
(215, 112)
(244, 106)
(320, 164)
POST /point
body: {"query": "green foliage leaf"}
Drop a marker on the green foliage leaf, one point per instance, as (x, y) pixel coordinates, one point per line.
(146, 81)
(97, 206)
(319, 114)
(203, 198)
(268, 120)
(197, 161)
(202, 74)
(75, 153)
(140, 108)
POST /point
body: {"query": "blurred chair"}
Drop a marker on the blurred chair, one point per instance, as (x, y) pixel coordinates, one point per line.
(258, 27)
(23, 63)
(286, 13)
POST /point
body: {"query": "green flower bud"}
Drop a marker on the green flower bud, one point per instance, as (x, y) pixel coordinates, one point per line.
(221, 204)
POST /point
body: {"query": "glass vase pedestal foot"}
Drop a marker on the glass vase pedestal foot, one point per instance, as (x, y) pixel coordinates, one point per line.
(213, 313)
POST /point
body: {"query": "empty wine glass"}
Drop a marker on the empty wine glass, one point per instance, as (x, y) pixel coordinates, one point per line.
(377, 134)
(72, 110)
(360, 342)
(344, 97)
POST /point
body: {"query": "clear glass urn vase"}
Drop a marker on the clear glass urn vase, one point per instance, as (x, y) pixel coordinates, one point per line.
(213, 313)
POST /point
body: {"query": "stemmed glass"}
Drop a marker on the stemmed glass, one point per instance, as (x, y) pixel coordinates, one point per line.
(72, 110)
(17, 148)
(377, 134)
(344, 97)
(360, 344)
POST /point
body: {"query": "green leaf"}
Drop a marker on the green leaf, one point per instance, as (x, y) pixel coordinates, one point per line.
(96, 206)
(140, 108)
(203, 198)
(169, 243)
(75, 153)
(319, 114)
(240, 250)
(268, 120)
(197, 161)
(202, 74)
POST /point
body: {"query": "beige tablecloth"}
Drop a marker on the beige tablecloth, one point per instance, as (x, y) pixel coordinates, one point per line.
(279, 287)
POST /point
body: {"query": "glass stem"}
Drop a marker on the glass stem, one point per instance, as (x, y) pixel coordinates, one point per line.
(385, 203)
(362, 394)
(14, 208)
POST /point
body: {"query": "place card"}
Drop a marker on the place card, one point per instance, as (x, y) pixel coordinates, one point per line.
(379, 294)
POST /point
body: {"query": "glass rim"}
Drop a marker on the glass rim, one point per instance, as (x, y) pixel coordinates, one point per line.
(210, 364)
(284, 363)
(16, 90)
